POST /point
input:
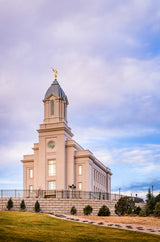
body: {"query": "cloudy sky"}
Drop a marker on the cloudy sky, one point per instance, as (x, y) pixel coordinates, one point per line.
(107, 53)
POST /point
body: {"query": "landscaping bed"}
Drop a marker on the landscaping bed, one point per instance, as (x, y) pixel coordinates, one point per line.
(150, 221)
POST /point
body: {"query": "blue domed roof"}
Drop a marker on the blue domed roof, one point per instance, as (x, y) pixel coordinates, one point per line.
(56, 89)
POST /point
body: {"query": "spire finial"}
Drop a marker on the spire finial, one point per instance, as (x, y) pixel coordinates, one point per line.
(55, 72)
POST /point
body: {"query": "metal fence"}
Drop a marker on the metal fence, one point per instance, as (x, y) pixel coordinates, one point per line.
(63, 194)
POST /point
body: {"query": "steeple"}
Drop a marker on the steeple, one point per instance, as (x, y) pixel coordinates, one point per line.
(55, 103)
(55, 89)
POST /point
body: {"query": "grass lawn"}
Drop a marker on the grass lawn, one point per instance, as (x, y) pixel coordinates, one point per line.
(21, 226)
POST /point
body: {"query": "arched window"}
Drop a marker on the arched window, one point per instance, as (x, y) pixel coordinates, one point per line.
(52, 107)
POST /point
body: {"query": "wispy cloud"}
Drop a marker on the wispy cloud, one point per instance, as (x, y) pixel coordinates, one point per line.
(13, 152)
(108, 61)
(8, 182)
(144, 157)
(97, 133)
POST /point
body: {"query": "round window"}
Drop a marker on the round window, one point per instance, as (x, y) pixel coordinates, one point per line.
(51, 145)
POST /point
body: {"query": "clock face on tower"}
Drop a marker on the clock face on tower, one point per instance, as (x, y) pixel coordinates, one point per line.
(51, 145)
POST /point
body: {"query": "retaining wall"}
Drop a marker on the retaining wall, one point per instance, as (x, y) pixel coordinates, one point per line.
(58, 206)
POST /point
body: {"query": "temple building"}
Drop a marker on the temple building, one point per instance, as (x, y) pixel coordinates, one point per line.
(58, 161)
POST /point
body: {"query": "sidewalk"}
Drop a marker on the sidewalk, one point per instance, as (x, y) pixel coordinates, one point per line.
(133, 227)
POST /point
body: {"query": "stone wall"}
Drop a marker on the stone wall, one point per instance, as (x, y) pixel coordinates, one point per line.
(58, 206)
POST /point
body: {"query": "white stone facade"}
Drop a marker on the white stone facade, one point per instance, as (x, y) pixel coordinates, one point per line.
(58, 161)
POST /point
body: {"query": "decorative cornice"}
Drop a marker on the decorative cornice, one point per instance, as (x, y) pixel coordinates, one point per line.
(26, 161)
(74, 144)
(43, 130)
(35, 148)
(93, 158)
(82, 156)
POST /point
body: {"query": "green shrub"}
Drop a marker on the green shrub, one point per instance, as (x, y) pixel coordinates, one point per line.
(87, 210)
(22, 205)
(125, 205)
(142, 213)
(147, 210)
(137, 210)
(73, 210)
(37, 207)
(104, 211)
(149, 195)
(157, 198)
(10, 204)
(151, 202)
(150, 206)
(129, 210)
(157, 209)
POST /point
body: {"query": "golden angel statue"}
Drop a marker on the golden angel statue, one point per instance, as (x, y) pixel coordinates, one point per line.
(55, 73)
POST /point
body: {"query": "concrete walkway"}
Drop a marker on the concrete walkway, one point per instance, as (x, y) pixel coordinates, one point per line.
(133, 227)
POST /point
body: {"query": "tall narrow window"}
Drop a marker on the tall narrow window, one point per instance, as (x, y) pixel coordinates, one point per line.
(79, 170)
(51, 185)
(80, 185)
(31, 188)
(64, 111)
(52, 107)
(31, 173)
(51, 167)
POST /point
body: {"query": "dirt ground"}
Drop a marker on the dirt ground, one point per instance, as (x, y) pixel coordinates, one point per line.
(151, 221)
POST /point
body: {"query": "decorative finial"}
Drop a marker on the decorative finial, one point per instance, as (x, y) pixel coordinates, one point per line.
(55, 72)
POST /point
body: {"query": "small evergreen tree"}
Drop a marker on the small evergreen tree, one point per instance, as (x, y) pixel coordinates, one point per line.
(10, 204)
(104, 211)
(125, 205)
(157, 209)
(149, 195)
(22, 205)
(151, 202)
(73, 210)
(87, 210)
(142, 213)
(157, 198)
(137, 210)
(37, 207)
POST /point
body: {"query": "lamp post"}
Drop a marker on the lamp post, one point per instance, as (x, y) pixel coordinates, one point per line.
(136, 197)
(72, 187)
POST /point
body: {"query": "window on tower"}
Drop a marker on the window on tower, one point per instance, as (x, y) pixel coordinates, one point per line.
(64, 111)
(51, 167)
(31, 173)
(79, 170)
(52, 107)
